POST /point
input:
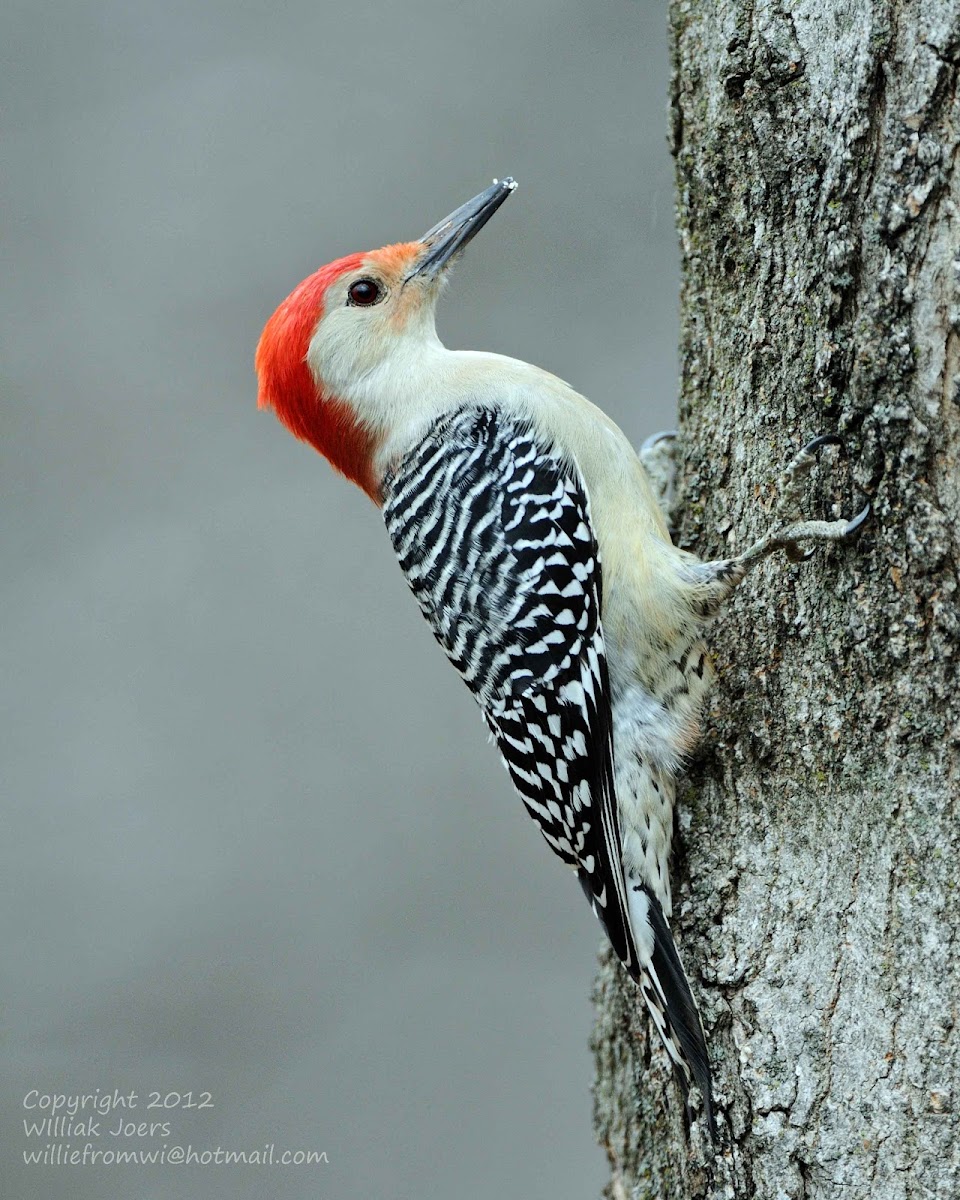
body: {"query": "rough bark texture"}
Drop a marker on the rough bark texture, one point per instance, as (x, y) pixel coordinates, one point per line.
(816, 144)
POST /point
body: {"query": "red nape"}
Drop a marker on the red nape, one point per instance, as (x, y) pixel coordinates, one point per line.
(287, 386)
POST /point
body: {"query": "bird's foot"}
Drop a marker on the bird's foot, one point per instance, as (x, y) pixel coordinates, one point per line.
(659, 457)
(790, 529)
(720, 578)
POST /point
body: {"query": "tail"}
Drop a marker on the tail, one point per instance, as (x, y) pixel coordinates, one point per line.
(665, 989)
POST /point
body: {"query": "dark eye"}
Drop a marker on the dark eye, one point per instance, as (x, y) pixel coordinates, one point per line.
(365, 291)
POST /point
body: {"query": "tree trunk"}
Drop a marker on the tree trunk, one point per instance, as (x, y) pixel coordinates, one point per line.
(818, 828)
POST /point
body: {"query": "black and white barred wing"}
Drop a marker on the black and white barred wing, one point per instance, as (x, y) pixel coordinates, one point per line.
(494, 537)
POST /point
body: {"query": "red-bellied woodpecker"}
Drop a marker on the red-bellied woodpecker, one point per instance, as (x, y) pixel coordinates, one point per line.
(528, 530)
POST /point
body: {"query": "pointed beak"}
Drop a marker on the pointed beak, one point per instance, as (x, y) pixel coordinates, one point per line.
(450, 236)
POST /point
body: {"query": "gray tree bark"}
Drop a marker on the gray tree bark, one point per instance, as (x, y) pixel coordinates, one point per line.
(816, 146)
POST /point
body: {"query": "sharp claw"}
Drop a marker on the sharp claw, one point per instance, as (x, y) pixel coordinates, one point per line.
(654, 438)
(858, 520)
(825, 439)
(796, 555)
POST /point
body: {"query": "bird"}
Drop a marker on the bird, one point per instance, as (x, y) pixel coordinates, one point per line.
(531, 536)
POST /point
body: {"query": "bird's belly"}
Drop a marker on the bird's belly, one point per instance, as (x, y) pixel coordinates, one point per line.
(656, 695)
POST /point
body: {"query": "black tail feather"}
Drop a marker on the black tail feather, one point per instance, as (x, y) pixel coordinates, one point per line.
(682, 1011)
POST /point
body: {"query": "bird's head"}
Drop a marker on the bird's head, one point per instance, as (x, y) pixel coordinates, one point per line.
(338, 331)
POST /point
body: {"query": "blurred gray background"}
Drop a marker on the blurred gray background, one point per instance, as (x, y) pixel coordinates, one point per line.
(255, 840)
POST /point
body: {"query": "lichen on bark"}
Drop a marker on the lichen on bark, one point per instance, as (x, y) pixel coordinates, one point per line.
(818, 848)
